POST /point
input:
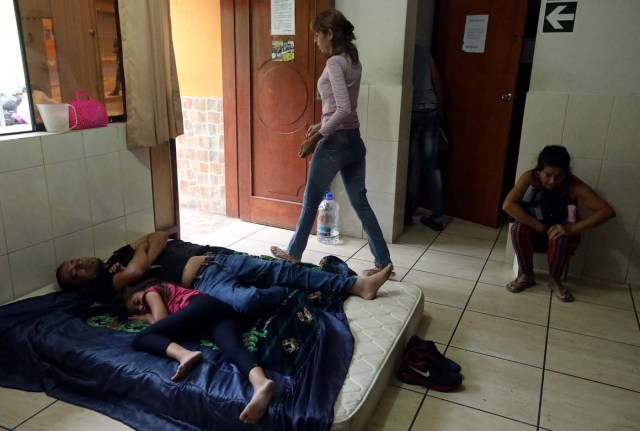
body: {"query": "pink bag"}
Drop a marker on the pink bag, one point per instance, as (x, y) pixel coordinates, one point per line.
(91, 113)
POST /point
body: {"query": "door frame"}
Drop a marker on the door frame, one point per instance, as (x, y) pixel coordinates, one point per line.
(231, 98)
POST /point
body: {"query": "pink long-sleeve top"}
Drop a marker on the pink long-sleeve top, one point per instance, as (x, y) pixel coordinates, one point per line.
(339, 86)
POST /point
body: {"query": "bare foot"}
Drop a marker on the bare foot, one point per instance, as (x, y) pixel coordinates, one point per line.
(187, 362)
(367, 287)
(279, 253)
(259, 403)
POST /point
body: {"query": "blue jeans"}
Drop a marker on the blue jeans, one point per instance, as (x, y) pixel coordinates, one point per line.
(255, 286)
(344, 152)
(423, 153)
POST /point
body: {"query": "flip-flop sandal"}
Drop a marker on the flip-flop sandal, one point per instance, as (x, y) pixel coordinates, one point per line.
(564, 295)
(518, 286)
(279, 253)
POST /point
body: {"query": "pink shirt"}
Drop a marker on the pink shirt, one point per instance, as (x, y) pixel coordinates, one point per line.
(339, 86)
(178, 298)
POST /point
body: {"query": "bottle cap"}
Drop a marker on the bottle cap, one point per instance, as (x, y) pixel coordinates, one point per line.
(328, 196)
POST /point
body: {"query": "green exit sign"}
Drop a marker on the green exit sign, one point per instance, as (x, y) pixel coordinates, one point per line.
(559, 17)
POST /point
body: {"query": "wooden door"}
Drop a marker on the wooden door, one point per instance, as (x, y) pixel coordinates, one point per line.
(276, 104)
(477, 105)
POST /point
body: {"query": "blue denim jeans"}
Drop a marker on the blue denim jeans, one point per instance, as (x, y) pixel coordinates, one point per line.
(344, 152)
(254, 286)
(423, 159)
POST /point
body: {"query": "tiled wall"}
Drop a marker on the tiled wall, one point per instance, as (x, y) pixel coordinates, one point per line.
(68, 195)
(602, 134)
(384, 109)
(200, 155)
(584, 95)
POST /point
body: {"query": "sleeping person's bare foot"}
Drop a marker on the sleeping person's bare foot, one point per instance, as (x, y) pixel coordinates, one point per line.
(187, 362)
(259, 402)
(367, 287)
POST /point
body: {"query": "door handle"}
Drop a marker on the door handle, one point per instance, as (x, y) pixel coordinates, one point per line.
(507, 97)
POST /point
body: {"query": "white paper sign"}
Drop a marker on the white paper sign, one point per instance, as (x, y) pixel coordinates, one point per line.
(475, 33)
(283, 17)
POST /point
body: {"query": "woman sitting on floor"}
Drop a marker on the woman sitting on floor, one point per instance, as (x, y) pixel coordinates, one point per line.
(543, 203)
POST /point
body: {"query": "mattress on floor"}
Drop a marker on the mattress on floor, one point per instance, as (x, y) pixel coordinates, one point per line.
(381, 329)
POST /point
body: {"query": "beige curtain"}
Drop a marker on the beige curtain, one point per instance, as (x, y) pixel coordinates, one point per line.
(154, 111)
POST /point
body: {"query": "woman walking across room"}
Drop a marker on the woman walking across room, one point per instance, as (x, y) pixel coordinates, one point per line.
(336, 140)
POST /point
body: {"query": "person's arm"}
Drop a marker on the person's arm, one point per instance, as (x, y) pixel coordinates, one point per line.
(513, 207)
(157, 308)
(437, 87)
(156, 242)
(146, 250)
(601, 210)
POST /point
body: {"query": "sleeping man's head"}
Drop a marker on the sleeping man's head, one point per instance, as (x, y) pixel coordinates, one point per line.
(76, 273)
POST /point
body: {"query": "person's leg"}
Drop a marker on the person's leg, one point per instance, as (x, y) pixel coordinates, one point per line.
(227, 334)
(225, 282)
(560, 250)
(324, 167)
(161, 338)
(521, 238)
(414, 168)
(260, 273)
(353, 177)
(431, 164)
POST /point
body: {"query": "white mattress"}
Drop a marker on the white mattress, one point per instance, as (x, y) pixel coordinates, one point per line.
(381, 329)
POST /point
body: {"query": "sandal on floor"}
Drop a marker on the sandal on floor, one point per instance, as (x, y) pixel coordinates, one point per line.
(564, 295)
(279, 253)
(516, 286)
(375, 270)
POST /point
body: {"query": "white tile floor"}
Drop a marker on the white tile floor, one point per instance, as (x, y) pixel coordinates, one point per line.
(530, 362)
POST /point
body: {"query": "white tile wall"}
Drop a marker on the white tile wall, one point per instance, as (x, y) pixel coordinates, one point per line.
(602, 134)
(587, 142)
(623, 141)
(68, 195)
(25, 208)
(619, 184)
(6, 286)
(105, 187)
(32, 268)
(383, 112)
(109, 236)
(543, 124)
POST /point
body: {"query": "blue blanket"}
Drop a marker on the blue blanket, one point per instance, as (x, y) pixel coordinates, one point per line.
(51, 343)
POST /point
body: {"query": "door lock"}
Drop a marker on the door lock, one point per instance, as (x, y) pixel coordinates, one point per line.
(507, 97)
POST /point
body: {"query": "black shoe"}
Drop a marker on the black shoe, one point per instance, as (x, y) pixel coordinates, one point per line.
(430, 222)
(416, 370)
(428, 351)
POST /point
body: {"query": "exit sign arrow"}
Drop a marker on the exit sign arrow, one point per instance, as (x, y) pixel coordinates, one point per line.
(559, 17)
(556, 16)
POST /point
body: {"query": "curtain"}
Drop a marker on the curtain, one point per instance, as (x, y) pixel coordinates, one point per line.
(154, 111)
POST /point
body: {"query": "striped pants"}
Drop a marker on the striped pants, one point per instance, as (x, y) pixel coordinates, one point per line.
(526, 241)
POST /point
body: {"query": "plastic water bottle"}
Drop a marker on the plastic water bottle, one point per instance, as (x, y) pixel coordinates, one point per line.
(328, 218)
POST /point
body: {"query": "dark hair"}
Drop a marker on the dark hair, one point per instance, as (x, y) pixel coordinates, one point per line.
(342, 29)
(124, 294)
(83, 287)
(555, 156)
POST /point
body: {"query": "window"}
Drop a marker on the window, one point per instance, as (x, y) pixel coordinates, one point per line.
(13, 90)
(69, 45)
